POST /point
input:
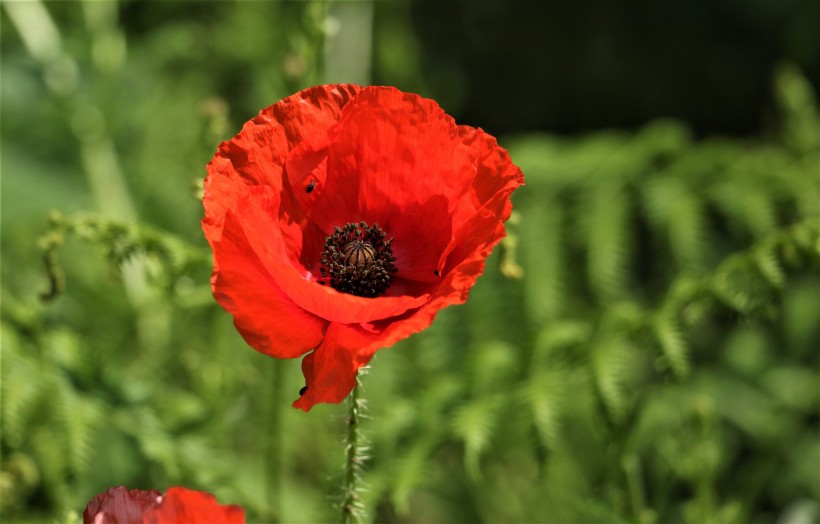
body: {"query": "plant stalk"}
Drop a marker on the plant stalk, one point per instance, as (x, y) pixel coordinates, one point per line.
(352, 507)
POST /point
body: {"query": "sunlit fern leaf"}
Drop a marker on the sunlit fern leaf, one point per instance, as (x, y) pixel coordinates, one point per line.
(768, 264)
(23, 385)
(474, 424)
(545, 393)
(671, 341)
(687, 231)
(745, 200)
(49, 447)
(758, 212)
(154, 440)
(806, 237)
(740, 285)
(797, 102)
(542, 251)
(608, 240)
(80, 420)
(678, 214)
(609, 357)
(805, 183)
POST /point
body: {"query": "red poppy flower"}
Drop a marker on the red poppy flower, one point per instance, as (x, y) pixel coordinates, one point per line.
(179, 505)
(343, 218)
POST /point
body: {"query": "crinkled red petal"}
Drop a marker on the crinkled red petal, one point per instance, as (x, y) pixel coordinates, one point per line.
(180, 505)
(266, 317)
(394, 159)
(257, 154)
(330, 371)
(258, 219)
(119, 505)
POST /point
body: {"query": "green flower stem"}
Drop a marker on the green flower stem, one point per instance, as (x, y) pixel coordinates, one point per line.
(632, 470)
(351, 504)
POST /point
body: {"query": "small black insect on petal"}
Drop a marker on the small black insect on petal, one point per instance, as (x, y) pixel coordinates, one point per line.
(302, 391)
(436, 272)
(310, 187)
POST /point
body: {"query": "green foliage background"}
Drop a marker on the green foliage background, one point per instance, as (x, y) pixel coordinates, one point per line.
(642, 348)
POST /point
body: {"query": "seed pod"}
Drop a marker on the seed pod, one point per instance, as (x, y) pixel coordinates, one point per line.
(358, 253)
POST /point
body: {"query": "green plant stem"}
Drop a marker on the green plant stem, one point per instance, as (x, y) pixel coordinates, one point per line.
(351, 504)
(632, 471)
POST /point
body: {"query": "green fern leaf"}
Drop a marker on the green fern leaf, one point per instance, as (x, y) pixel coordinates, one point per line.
(677, 214)
(546, 396)
(24, 384)
(768, 264)
(610, 357)
(670, 339)
(474, 423)
(608, 241)
(79, 418)
(543, 251)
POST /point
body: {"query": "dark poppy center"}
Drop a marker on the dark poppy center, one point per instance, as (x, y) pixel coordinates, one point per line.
(358, 260)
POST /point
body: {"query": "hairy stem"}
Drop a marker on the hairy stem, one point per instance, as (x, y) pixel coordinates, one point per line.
(351, 504)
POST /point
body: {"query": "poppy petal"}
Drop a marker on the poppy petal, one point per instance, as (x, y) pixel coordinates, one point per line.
(120, 505)
(394, 159)
(256, 155)
(495, 170)
(180, 505)
(330, 371)
(258, 219)
(268, 320)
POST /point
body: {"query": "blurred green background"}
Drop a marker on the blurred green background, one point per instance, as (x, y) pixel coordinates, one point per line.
(642, 348)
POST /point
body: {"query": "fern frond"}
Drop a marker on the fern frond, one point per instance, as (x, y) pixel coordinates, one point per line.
(737, 283)
(48, 445)
(23, 386)
(609, 358)
(745, 200)
(765, 258)
(678, 215)
(804, 183)
(543, 252)
(797, 102)
(608, 241)
(474, 424)
(545, 392)
(80, 419)
(121, 241)
(671, 341)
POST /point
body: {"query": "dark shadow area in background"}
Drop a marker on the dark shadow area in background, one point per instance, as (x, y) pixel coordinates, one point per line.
(574, 66)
